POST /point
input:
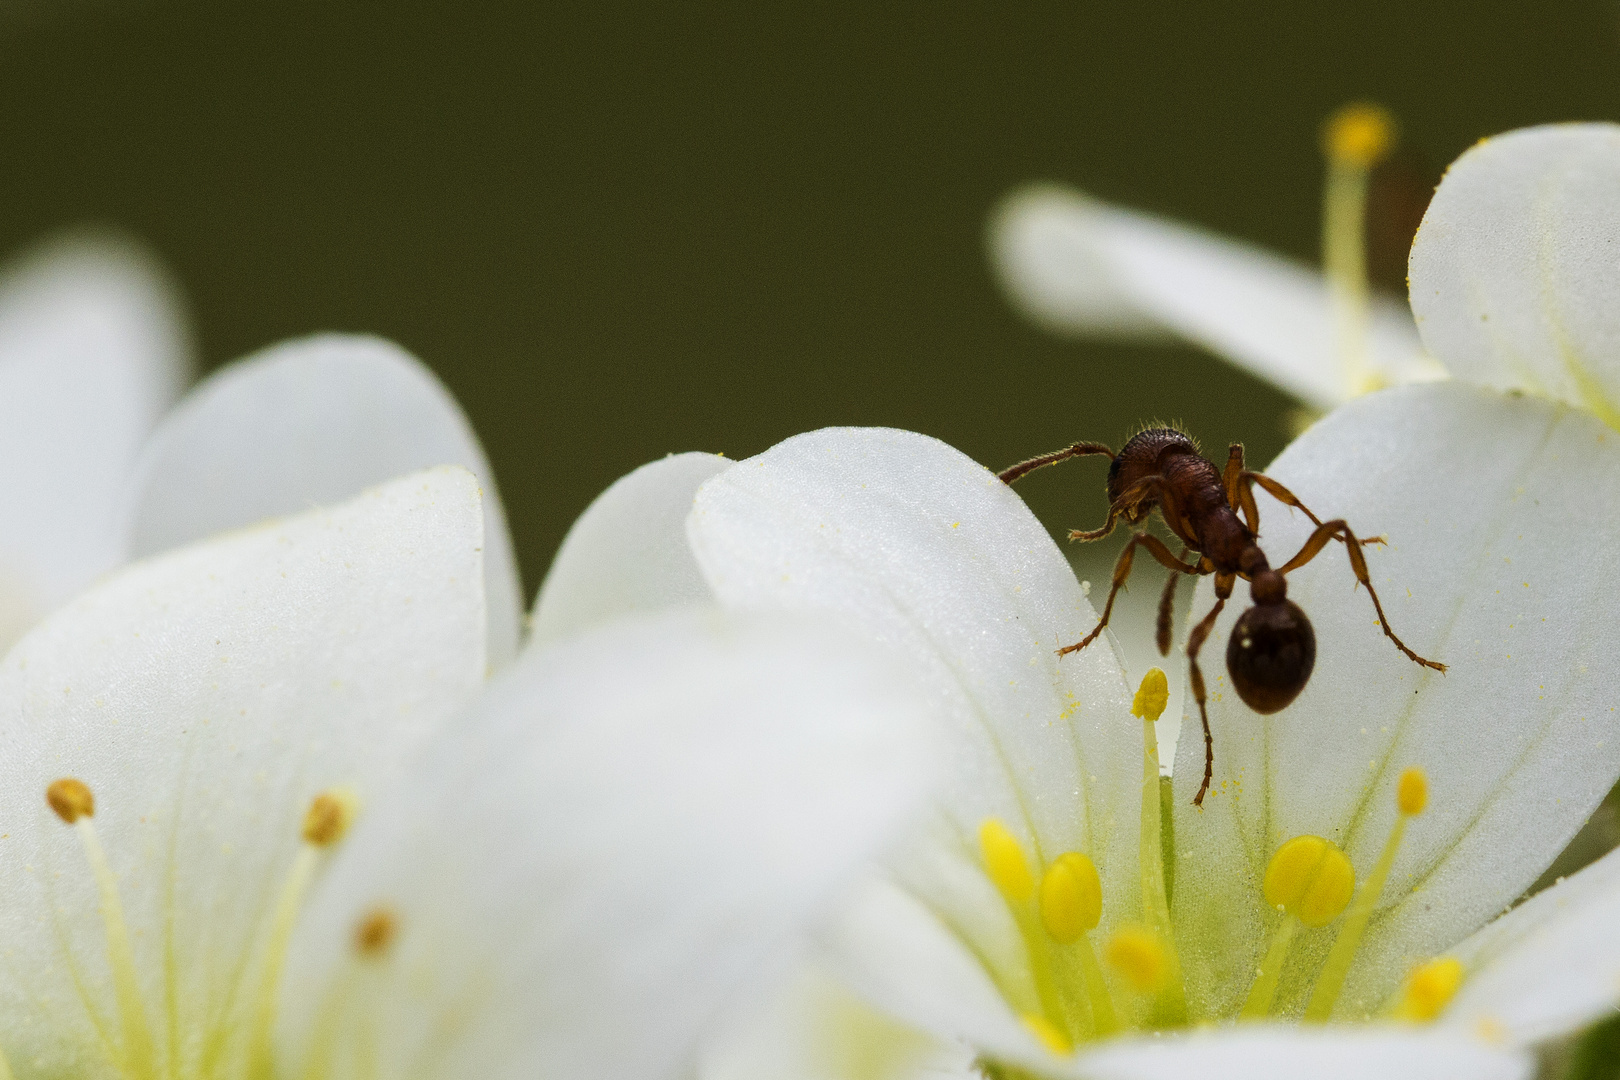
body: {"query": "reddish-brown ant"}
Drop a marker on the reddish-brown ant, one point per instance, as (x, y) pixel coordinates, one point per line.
(1273, 648)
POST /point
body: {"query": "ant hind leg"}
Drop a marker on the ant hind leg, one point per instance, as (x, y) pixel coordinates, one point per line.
(1339, 530)
(1195, 642)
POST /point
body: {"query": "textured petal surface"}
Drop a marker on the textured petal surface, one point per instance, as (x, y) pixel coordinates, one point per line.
(628, 550)
(1080, 266)
(812, 1028)
(309, 423)
(910, 541)
(93, 348)
(205, 697)
(587, 867)
(1549, 966)
(1514, 272)
(1287, 1054)
(1503, 519)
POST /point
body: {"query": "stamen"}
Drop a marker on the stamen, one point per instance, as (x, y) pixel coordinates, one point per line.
(1071, 897)
(1411, 797)
(1310, 881)
(1004, 862)
(1430, 988)
(73, 802)
(1005, 865)
(329, 815)
(1152, 695)
(1071, 906)
(376, 932)
(1138, 953)
(1049, 1035)
(1354, 139)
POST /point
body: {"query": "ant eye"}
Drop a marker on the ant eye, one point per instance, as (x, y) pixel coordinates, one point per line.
(1270, 655)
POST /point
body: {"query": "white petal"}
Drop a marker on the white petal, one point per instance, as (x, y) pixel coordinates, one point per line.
(205, 697)
(1252, 1053)
(628, 550)
(309, 423)
(1503, 519)
(1549, 966)
(92, 350)
(812, 1028)
(1514, 272)
(1081, 266)
(596, 859)
(914, 543)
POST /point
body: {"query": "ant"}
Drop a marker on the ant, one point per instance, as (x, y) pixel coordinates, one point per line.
(1272, 649)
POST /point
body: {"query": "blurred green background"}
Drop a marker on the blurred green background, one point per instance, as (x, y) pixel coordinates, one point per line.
(617, 230)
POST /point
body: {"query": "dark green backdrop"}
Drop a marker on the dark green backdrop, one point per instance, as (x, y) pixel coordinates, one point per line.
(619, 230)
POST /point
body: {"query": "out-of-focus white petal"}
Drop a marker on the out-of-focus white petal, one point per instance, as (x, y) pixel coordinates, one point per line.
(1549, 966)
(1514, 272)
(893, 947)
(813, 1028)
(205, 696)
(1080, 266)
(590, 864)
(910, 541)
(309, 423)
(93, 348)
(1275, 1053)
(1503, 519)
(628, 550)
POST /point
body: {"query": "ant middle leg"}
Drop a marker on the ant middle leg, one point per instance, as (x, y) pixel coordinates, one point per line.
(1167, 602)
(1195, 642)
(1122, 570)
(1338, 530)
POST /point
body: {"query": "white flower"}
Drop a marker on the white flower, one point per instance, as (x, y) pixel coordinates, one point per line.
(1080, 266)
(92, 350)
(1452, 792)
(306, 423)
(564, 876)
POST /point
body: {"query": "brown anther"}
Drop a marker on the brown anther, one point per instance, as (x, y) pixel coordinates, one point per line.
(376, 932)
(71, 799)
(327, 819)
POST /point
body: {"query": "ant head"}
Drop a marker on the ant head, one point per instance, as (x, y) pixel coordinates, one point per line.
(1270, 655)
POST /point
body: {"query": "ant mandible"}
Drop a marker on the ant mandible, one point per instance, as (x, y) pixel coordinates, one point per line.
(1273, 648)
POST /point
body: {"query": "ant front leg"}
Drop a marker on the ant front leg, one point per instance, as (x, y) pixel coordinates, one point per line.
(1240, 489)
(1338, 530)
(1195, 641)
(1167, 602)
(1122, 570)
(1074, 450)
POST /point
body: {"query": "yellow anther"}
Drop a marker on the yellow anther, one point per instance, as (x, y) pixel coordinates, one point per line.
(1137, 953)
(1412, 792)
(1360, 134)
(1311, 879)
(1152, 696)
(1048, 1034)
(329, 816)
(1004, 861)
(1071, 897)
(374, 933)
(70, 799)
(1430, 988)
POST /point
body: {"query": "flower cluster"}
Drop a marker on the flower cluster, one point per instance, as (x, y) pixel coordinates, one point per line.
(787, 778)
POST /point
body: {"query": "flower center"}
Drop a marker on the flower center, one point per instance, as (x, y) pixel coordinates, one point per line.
(1309, 883)
(238, 1044)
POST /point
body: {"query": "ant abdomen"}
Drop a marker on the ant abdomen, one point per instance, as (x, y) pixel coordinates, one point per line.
(1270, 655)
